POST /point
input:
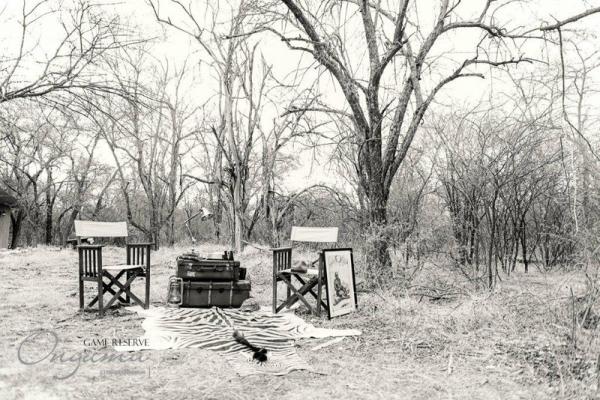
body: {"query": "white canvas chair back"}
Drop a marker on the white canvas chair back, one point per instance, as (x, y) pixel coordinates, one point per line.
(86, 229)
(315, 235)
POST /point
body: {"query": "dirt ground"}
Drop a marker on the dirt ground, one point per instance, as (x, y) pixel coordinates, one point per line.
(514, 343)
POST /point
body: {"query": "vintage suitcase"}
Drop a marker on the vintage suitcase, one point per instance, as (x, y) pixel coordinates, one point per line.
(219, 294)
(208, 270)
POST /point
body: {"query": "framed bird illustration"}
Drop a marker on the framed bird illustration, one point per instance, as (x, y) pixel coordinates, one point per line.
(341, 285)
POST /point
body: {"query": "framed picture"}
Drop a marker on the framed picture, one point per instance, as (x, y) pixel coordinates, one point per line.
(340, 283)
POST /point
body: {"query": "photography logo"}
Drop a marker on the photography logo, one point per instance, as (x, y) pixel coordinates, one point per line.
(43, 346)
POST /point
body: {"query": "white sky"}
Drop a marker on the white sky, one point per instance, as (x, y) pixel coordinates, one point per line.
(176, 47)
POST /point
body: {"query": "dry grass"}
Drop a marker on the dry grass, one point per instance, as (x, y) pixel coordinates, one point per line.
(515, 343)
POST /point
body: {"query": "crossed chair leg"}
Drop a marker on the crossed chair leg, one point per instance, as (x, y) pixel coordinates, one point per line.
(125, 288)
(299, 293)
(312, 284)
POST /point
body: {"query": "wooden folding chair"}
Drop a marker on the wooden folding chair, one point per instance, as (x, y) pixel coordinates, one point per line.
(91, 267)
(313, 277)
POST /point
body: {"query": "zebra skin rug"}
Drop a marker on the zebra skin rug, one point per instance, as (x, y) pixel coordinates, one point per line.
(176, 328)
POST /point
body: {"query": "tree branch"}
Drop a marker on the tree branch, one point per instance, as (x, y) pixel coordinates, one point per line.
(572, 19)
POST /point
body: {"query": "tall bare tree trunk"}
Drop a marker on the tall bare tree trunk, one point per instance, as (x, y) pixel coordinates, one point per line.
(490, 255)
(49, 208)
(216, 194)
(238, 220)
(378, 236)
(175, 160)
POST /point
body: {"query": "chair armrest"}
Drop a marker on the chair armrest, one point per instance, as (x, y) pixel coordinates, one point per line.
(90, 246)
(90, 260)
(280, 248)
(282, 259)
(139, 254)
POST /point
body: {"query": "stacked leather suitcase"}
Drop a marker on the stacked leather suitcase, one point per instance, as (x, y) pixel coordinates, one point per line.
(209, 282)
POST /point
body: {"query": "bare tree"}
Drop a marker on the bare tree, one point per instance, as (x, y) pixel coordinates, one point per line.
(145, 132)
(499, 179)
(221, 52)
(71, 64)
(243, 79)
(399, 56)
(32, 147)
(275, 206)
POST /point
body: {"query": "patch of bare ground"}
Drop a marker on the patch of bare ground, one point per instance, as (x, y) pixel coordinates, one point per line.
(514, 343)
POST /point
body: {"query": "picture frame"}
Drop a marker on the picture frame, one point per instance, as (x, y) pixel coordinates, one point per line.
(340, 282)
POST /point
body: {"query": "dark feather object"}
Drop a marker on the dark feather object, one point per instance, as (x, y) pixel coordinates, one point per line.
(260, 354)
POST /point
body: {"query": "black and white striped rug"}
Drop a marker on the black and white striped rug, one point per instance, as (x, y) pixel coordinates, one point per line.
(176, 328)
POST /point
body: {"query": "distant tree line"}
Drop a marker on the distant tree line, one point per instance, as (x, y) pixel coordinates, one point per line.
(101, 129)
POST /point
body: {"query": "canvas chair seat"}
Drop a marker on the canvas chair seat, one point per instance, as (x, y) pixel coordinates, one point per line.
(122, 267)
(309, 272)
